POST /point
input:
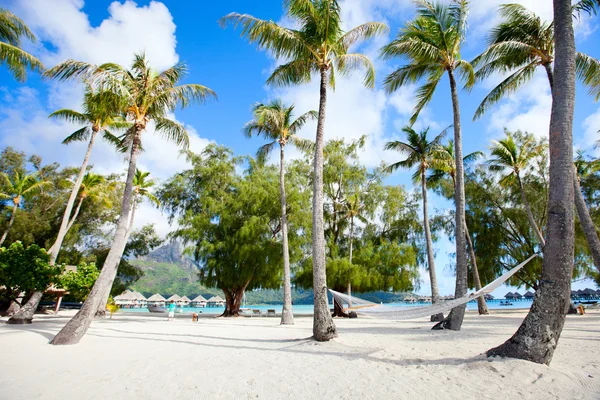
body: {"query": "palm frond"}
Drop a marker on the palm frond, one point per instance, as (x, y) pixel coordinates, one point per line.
(70, 116)
(172, 131)
(362, 33)
(72, 69)
(425, 93)
(292, 73)
(18, 61)
(353, 61)
(263, 151)
(78, 136)
(302, 120)
(588, 71)
(305, 145)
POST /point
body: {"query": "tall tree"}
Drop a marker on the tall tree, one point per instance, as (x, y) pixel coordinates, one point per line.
(100, 112)
(582, 169)
(93, 186)
(537, 337)
(515, 158)
(317, 46)
(18, 61)
(274, 122)
(444, 167)
(431, 42)
(519, 45)
(147, 96)
(15, 189)
(420, 152)
(141, 190)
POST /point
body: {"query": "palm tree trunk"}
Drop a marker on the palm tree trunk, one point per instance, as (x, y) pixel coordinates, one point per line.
(455, 318)
(74, 217)
(25, 313)
(74, 330)
(587, 224)
(287, 316)
(10, 222)
(537, 337)
(532, 222)
(481, 304)
(323, 326)
(62, 231)
(435, 292)
(350, 259)
(101, 311)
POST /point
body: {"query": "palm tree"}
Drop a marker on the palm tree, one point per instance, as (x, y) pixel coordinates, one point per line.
(317, 46)
(93, 187)
(582, 169)
(18, 61)
(141, 190)
(444, 167)
(274, 122)
(431, 42)
(508, 156)
(420, 151)
(519, 45)
(537, 337)
(100, 112)
(147, 96)
(15, 190)
(523, 42)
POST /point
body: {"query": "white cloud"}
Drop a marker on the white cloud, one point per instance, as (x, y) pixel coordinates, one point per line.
(591, 135)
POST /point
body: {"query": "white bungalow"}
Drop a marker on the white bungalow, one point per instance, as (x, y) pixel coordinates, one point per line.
(127, 299)
(199, 301)
(215, 301)
(156, 300)
(176, 299)
(141, 299)
(185, 301)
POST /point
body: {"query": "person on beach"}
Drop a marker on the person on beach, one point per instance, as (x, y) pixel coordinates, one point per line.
(171, 310)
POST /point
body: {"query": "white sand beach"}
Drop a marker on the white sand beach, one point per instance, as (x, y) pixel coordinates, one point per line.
(145, 357)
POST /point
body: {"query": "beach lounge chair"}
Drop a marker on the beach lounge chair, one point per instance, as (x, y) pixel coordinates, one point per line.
(256, 313)
(271, 313)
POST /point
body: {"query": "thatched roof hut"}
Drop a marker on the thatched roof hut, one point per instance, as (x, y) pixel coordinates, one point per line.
(199, 301)
(185, 300)
(156, 297)
(215, 301)
(509, 295)
(175, 298)
(517, 295)
(529, 295)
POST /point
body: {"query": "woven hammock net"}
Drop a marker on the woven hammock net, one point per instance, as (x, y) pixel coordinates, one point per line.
(368, 308)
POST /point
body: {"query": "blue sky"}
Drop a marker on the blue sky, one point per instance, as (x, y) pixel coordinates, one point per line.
(173, 30)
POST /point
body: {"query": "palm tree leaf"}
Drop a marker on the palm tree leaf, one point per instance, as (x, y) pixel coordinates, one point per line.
(362, 33)
(172, 131)
(507, 86)
(70, 116)
(425, 93)
(78, 136)
(18, 61)
(302, 120)
(353, 61)
(292, 73)
(588, 71)
(264, 151)
(305, 145)
(70, 69)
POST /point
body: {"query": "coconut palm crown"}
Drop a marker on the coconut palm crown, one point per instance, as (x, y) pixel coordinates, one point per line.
(18, 61)
(319, 43)
(519, 45)
(431, 44)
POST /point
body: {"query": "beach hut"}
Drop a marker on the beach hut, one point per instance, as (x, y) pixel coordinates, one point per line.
(156, 300)
(488, 296)
(175, 299)
(518, 296)
(199, 301)
(185, 301)
(215, 301)
(140, 299)
(529, 295)
(127, 299)
(509, 296)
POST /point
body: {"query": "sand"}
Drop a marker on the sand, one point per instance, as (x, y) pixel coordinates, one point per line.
(144, 357)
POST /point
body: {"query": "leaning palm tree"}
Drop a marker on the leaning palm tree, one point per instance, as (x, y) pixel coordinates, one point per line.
(100, 112)
(522, 43)
(431, 43)
(274, 122)
(511, 160)
(18, 61)
(419, 152)
(15, 190)
(318, 45)
(537, 337)
(443, 167)
(147, 96)
(93, 187)
(141, 191)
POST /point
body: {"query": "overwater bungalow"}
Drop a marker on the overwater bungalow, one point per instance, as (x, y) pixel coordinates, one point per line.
(518, 296)
(215, 301)
(176, 299)
(509, 296)
(529, 295)
(488, 296)
(127, 299)
(156, 300)
(185, 301)
(199, 301)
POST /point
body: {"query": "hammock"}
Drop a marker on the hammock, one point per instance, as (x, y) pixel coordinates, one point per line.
(365, 307)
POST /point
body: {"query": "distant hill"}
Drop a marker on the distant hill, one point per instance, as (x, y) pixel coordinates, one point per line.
(167, 272)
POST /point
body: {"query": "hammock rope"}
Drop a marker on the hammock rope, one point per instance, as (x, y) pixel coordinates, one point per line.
(368, 308)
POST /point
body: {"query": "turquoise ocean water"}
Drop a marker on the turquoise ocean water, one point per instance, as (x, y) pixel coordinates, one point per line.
(308, 308)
